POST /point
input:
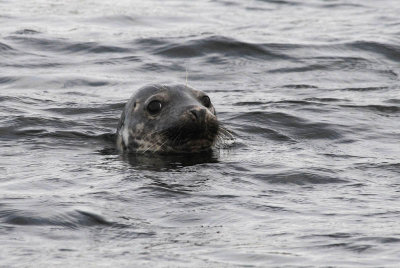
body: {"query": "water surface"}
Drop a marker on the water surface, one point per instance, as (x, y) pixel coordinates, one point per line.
(310, 89)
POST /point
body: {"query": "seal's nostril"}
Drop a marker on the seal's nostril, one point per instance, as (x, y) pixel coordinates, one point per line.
(195, 113)
(198, 114)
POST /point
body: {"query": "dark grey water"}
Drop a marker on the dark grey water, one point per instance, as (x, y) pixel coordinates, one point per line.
(310, 89)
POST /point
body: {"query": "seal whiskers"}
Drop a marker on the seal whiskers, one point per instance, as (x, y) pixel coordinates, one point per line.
(224, 137)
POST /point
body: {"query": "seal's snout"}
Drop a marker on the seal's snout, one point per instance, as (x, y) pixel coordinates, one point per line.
(198, 114)
(195, 129)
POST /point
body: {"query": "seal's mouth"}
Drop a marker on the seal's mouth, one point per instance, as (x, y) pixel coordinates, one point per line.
(192, 138)
(196, 145)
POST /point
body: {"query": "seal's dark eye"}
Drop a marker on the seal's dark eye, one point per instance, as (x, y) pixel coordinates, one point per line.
(154, 107)
(206, 101)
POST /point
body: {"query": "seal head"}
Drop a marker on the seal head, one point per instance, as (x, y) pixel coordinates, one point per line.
(167, 119)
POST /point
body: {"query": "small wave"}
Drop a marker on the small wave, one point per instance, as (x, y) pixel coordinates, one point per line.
(214, 44)
(68, 47)
(53, 127)
(281, 2)
(84, 82)
(391, 52)
(249, 103)
(6, 50)
(42, 63)
(328, 63)
(22, 121)
(118, 60)
(364, 88)
(89, 135)
(76, 134)
(396, 101)
(41, 81)
(301, 102)
(4, 47)
(381, 240)
(393, 167)
(163, 191)
(342, 5)
(117, 20)
(73, 219)
(299, 178)
(334, 235)
(290, 125)
(90, 109)
(25, 100)
(299, 86)
(7, 79)
(93, 47)
(27, 32)
(376, 108)
(311, 67)
(348, 246)
(266, 133)
(162, 67)
(325, 99)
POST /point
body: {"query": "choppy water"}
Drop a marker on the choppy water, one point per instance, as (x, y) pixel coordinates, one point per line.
(310, 89)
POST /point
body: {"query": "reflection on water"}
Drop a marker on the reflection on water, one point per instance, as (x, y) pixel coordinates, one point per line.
(170, 162)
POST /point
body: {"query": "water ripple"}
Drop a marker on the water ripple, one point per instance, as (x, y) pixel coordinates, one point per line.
(292, 125)
(67, 46)
(73, 219)
(211, 45)
(389, 51)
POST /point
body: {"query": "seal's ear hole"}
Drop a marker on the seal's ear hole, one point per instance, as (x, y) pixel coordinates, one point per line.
(154, 107)
(206, 101)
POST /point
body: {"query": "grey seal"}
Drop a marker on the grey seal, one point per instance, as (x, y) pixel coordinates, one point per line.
(167, 119)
